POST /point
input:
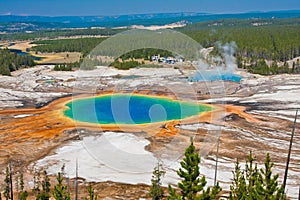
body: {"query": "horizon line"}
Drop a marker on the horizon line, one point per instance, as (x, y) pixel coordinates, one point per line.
(151, 13)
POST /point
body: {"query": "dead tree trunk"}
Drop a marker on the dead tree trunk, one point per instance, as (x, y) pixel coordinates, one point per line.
(11, 182)
(289, 153)
(76, 181)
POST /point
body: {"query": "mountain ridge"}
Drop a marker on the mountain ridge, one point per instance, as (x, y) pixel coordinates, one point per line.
(16, 23)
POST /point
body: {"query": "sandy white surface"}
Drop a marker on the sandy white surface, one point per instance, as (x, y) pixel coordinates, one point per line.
(118, 157)
(121, 157)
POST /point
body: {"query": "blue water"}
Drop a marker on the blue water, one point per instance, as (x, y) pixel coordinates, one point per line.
(22, 53)
(131, 109)
(216, 76)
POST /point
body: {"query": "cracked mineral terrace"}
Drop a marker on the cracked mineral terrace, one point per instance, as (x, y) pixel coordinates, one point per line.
(255, 115)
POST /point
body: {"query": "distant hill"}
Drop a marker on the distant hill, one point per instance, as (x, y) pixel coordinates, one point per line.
(12, 23)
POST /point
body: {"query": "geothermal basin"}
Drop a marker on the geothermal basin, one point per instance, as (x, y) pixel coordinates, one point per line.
(131, 109)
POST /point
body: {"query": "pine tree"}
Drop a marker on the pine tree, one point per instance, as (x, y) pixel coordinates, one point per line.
(36, 182)
(251, 173)
(22, 194)
(238, 188)
(192, 186)
(21, 182)
(156, 191)
(7, 185)
(91, 192)
(60, 191)
(267, 184)
(244, 182)
(17, 187)
(45, 194)
(252, 183)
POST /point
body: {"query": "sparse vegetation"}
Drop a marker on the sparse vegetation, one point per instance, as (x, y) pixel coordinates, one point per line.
(250, 183)
(156, 190)
(45, 193)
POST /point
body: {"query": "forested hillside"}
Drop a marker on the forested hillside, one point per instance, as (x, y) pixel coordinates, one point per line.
(276, 39)
(51, 34)
(83, 45)
(269, 39)
(10, 61)
(257, 41)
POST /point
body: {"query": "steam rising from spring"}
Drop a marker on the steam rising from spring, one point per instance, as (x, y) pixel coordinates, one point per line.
(221, 66)
(228, 53)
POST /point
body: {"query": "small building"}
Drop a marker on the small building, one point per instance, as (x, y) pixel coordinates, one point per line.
(170, 60)
(155, 58)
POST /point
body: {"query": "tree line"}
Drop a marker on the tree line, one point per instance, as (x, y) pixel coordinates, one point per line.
(10, 61)
(83, 45)
(52, 34)
(257, 40)
(42, 188)
(66, 66)
(261, 67)
(146, 54)
(276, 40)
(125, 64)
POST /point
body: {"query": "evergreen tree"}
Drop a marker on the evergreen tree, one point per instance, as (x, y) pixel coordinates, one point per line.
(10, 61)
(45, 194)
(7, 185)
(60, 192)
(91, 192)
(252, 174)
(156, 191)
(238, 188)
(21, 182)
(267, 184)
(22, 194)
(36, 182)
(252, 183)
(56, 67)
(244, 182)
(192, 186)
(17, 187)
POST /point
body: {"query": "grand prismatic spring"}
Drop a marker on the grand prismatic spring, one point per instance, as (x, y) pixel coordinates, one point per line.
(131, 109)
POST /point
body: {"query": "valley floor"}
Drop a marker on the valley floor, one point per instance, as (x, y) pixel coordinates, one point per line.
(35, 134)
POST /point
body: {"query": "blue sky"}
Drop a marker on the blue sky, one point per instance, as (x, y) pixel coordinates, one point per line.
(118, 7)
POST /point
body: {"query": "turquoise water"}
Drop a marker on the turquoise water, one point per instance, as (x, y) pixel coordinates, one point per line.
(131, 109)
(216, 76)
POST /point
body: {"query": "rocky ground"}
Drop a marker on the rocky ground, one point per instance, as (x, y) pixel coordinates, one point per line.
(35, 135)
